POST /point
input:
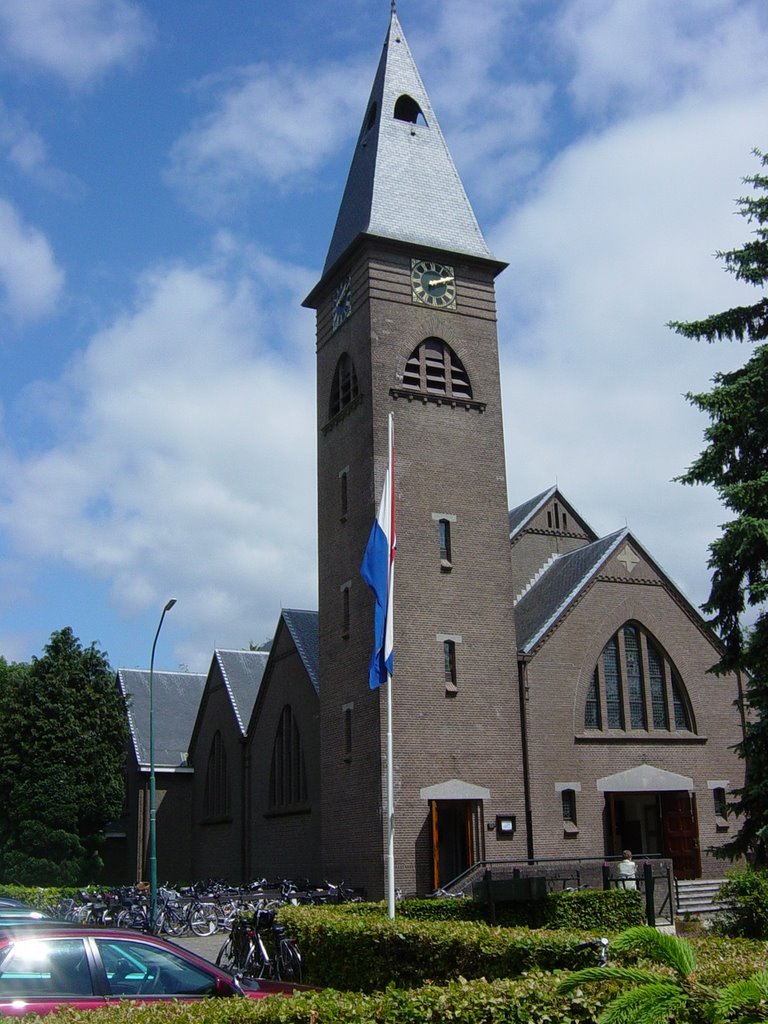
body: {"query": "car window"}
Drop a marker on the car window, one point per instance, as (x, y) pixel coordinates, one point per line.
(45, 967)
(136, 969)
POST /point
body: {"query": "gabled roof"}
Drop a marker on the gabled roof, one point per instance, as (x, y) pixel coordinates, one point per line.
(556, 588)
(175, 700)
(305, 633)
(242, 672)
(402, 183)
(519, 516)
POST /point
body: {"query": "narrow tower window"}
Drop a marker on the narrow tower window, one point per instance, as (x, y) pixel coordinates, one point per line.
(568, 797)
(347, 713)
(345, 610)
(449, 664)
(344, 389)
(344, 494)
(444, 533)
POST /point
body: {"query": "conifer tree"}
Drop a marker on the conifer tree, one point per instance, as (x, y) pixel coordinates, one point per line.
(62, 747)
(735, 463)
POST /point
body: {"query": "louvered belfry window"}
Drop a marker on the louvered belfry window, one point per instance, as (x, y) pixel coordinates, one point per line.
(435, 368)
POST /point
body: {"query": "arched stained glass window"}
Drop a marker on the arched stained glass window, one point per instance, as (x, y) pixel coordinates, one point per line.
(635, 683)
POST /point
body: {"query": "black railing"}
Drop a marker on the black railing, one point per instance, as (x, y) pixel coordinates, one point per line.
(557, 874)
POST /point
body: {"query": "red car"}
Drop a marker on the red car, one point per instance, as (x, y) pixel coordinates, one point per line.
(42, 968)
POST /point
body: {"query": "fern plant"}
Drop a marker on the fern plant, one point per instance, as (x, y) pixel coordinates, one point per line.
(670, 989)
(653, 996)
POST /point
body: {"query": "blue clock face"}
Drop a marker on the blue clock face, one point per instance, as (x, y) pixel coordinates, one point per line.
(341, 304)
(433, 284)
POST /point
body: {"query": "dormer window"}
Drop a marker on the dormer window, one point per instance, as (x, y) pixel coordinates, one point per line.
(407, 109)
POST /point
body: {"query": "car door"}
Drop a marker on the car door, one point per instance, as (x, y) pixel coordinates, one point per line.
(39, 973)
(137, 969)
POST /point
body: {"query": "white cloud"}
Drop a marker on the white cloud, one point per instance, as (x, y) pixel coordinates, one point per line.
(77, 40)
(187, 464)
(618, 240)
(269, 123)
(642, 54)
(30, 279)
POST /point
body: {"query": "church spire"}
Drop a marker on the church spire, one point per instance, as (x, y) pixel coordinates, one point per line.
(402, 183)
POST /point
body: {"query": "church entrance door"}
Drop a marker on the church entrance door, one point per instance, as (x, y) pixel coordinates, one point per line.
(681, 833)
(454, 838)
(663, 823)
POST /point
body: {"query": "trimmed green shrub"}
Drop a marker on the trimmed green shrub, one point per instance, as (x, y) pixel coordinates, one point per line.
(37, 897)
(530, 1000)
(587, 909)
(363, 951)
(745, 915)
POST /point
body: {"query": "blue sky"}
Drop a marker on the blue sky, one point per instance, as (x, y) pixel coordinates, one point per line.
(169, 179)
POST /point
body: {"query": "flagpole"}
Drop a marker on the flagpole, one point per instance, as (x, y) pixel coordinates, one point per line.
(390, 810)
(390, 771)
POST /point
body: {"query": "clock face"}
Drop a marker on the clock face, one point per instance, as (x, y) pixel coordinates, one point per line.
(341, 304)
(433, 284)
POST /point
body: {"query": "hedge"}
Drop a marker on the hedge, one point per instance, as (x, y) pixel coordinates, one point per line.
(530, 1000)
(588, 909)
(362, 950)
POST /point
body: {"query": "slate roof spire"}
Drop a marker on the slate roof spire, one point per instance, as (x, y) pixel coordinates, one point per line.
(402, 183)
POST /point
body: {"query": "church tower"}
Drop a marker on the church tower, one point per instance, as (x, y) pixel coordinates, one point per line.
(406, 323)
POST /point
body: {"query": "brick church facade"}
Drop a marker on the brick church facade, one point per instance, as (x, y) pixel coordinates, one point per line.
(551, 695)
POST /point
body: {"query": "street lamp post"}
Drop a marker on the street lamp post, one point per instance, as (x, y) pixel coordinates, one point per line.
(152, 798)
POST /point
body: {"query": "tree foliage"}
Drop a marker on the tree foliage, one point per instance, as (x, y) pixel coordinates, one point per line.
(62, 743)
(735, 463)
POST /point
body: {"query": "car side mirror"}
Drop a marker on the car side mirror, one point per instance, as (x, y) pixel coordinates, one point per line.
(228, 988)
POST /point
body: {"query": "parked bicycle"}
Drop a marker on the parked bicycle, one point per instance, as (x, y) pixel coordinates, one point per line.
(600, 946)
(258, 947)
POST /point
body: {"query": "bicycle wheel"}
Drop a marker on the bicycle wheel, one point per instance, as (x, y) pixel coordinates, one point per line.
(173, 923)
(289, 961)
(258, 964)
(202, 920)
(225, 958)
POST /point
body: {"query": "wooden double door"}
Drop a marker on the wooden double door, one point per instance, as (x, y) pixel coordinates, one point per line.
(662, 823)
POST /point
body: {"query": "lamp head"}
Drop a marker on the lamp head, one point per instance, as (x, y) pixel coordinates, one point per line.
(170, 605)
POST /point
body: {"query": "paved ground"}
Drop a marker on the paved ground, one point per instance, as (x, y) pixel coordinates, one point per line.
(207, 946)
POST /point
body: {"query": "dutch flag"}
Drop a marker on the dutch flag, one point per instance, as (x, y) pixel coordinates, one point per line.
(378, 571)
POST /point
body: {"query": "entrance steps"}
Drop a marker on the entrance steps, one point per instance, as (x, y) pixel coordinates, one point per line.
(698, 895)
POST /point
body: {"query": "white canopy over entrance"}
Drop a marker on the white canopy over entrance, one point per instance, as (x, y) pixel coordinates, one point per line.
(455, 789)
(645, 779)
